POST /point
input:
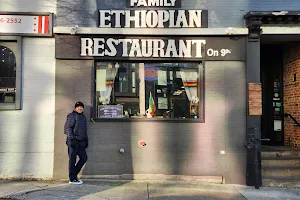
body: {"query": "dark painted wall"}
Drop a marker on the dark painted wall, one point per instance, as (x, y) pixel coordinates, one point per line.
(172, 148)
(221, 13)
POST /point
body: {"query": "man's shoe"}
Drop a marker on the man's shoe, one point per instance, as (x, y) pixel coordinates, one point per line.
(75, 182)
(79, 180)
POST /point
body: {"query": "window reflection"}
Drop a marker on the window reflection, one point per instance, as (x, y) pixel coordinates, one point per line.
(148, 90)
(7, 75)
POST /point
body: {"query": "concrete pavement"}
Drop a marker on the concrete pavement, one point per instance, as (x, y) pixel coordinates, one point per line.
(134, 190)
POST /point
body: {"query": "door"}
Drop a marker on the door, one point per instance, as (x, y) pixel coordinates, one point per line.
(272, 83)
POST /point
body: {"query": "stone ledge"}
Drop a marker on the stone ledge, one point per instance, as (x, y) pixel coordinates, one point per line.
(205, 179)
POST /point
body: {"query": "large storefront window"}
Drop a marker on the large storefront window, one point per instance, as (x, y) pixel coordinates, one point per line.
(149, 90)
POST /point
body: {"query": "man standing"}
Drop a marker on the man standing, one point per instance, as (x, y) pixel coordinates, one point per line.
(77, 141)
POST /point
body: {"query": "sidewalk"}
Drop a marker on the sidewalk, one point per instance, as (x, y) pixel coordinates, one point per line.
(142, 190)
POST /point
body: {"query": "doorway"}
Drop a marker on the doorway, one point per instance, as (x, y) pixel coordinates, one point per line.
(272, 94)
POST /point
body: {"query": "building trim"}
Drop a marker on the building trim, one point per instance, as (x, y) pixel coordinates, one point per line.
(153, 31)
(280, 30)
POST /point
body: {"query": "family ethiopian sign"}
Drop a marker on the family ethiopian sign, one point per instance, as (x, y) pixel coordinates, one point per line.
(153, 18)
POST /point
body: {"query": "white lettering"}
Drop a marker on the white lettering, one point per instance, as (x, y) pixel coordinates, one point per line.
(104, 18)
(112, 47)
(171, 48)
(118, 17)
(129, 18)
(147, 45)
(143, 19)
(86, 44)
(172, 17)
(135, 48)
(211, 52)
(158, 47)
(152, 19)
(125, 49)
(173, 2)
(142, 3)
(98, 46)
(163, 16)
(195, 18)
(167, 3)
(185, 50)
(199, 44)
(161, 3)
(133, 2)
(153, 2)
(181, 19)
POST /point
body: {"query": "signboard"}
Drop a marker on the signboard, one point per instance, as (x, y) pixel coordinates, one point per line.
(7, 90)
(153, 18)
(255, 99)
(110, 111)
(153, 3)
(150, 48)
(151, 73)
(18, 24)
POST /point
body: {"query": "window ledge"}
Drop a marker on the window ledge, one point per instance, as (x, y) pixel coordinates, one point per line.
(163, 120)
(9, 106)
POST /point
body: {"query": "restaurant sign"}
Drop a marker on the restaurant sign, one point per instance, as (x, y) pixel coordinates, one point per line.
(153, 48)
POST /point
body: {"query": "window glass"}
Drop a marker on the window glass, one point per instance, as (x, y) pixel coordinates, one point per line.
(148, 90)
(7, 75)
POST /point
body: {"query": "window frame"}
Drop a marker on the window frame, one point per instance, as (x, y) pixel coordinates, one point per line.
(18, 54)
(201, 90)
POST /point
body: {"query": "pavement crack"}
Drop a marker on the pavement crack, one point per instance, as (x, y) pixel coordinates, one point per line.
(23, 192)
(148, 190)
(239, 192)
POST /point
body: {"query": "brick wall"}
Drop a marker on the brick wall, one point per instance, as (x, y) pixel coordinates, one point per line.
(292, 93)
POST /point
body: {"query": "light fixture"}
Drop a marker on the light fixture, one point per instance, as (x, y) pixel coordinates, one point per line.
(74, 30)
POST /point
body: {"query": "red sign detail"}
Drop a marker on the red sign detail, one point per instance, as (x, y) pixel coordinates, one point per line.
(40, 24)
(46, 27)
(151, 73)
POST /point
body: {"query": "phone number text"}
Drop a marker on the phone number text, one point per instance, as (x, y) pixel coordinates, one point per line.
(10, 20)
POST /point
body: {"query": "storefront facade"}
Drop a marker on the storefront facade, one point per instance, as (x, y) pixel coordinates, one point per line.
(150, 77)
(175, 84)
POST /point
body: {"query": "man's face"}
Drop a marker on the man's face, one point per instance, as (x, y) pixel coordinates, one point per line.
(79, 109)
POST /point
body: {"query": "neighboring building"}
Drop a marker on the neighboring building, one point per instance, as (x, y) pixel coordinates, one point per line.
(177, 86)
(27, 115)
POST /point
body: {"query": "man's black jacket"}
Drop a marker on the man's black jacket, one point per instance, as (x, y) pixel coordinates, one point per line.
(76, 127)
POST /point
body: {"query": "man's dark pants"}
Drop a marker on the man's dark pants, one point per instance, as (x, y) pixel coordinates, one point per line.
(78, 149)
